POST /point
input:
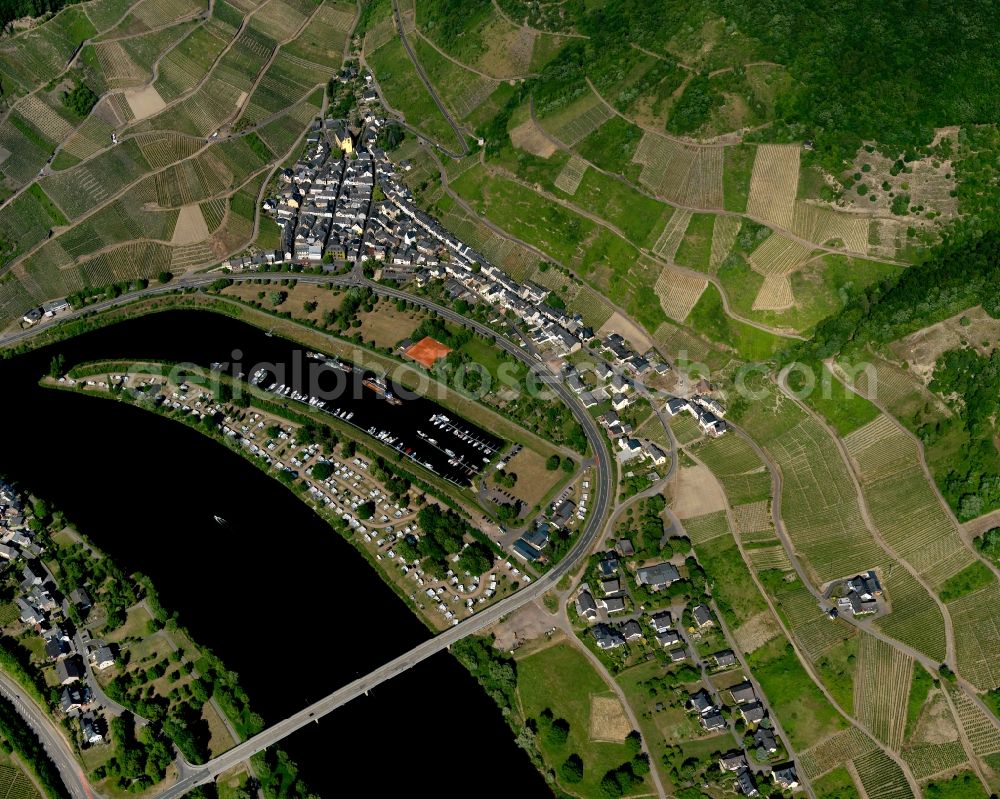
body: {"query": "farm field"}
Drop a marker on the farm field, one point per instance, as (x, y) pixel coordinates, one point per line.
(569, 698)
(108, 211)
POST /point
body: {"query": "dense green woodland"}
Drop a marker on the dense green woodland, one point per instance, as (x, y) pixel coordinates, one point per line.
(883, 70)
(15, 9)
(956, 276)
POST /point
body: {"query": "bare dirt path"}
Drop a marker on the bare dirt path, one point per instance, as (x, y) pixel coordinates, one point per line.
(567, 34)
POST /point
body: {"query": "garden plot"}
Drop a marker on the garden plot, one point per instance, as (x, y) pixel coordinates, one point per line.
(608, 721)
(687, 174)
(672, 235)
(774, 183)
(976, 618)
(881, 689)
(118, 109)
(678, 292)
(753, 517)
(980, 728)
(723, 237)
(822, 225)
(881, 776)
(93, 135)
(916, 619)
(568, 180)
(578, 120)
(903, 505)
(756, 632)
(44, 118)
(836, 750)
(773, 557)
(926, 760)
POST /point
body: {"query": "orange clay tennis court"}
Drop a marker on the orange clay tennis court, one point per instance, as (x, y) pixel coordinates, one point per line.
(427, 351)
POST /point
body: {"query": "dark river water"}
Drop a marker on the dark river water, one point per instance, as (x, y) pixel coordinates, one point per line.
(281, 598)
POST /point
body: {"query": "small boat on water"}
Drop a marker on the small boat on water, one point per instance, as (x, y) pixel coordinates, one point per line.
(220, 521)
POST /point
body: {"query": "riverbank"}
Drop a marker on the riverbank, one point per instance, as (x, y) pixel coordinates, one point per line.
(352, 468)
(95, 648)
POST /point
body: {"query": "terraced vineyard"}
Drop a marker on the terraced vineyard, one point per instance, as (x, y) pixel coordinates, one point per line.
(881, 776)
(678, 292)
(843, 747)
(904, 507)
(774, 184)
(881, 688)
(106, 211)
(819, 504)
(680, 172)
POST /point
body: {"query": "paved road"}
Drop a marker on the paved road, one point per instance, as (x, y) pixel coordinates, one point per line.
(192, 776)
(426, 81)
(55, 744)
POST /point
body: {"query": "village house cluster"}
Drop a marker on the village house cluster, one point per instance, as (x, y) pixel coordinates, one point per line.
(605, 603)
(45, 610)
(707, 412)
(563, 513)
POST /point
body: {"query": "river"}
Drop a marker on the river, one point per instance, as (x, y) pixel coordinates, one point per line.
(283, 600)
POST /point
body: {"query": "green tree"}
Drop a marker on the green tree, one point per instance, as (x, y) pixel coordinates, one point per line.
(571, 770)
(552, 463)
(322, 470)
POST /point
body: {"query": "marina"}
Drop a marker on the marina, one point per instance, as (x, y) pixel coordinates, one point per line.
(415, 427)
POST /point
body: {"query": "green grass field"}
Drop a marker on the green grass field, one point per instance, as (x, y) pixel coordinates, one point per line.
(804, 712)
(405, 92)
(569, 697)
